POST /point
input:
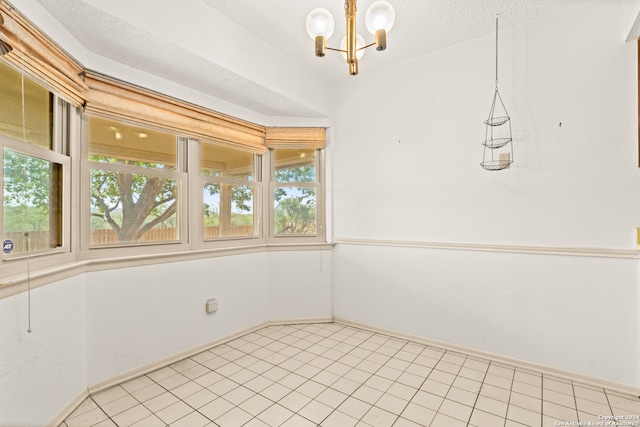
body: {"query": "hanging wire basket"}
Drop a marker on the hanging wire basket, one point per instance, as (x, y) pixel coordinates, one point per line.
(496, 143)
(497, 121)
(495, 136)
(495, 165)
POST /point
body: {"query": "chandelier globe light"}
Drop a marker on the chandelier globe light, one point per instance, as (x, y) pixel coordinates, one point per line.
(379, 19)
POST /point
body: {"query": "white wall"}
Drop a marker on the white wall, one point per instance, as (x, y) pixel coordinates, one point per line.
(137, 316)
(98, 326)
(300, 285)
(43, 371)
(407, 143)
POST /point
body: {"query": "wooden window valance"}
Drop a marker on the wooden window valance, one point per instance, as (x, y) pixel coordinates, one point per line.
(40, 58)
(282, 137)
(114, 99)
(43, 60)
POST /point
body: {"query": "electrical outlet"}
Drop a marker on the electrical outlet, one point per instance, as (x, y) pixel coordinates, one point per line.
(211, 305)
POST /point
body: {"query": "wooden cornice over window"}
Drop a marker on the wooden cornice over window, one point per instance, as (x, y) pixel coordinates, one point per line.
(40, 58)
(114, 99)
(279, 137)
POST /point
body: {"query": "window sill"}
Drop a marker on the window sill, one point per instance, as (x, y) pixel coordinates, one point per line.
(43, 276)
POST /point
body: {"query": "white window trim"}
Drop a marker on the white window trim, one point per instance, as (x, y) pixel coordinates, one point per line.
(129, 249)
(319, 185)
(196, 184)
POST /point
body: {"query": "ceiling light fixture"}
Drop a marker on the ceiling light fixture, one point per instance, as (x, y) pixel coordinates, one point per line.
(379, 19)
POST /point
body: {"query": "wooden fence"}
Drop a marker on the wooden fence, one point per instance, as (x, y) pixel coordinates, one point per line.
(108, 236)
(39, 240)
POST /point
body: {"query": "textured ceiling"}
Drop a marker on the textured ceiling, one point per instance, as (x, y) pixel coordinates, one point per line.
(118, 31)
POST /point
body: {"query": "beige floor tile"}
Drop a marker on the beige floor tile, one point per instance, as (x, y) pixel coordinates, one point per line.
(597, 396)
(442, 420)
(559, 412)
(216, 408)
(492, 406)
(200, 398)
(235, 417)
(418, 414)
(354, 407)
(403, 422)
(455, 410)
(131, 415)
(295, 401)
(524, 416)
(557, 385)
(160, 402)
(427, 400)
(275, 415)
(315, 411)
(239, 395)
(174, 412)
(86, 406)
(391, 403)
(526, 402)
(368, 394)
(150, 421)
(494, 392)
(147, 393)
(377, 417)
(109, 395)
(591, 407)
(298, 421)
(88, 418)
(187, 389)
(332, 398)
(462, 396)
(256, 404)
(467, 384)
(485, 419)
(526, 388)
(435, 387)
(339, 419)
(137, 384)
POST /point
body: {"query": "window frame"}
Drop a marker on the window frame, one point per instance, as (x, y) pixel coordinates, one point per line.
(196, 184)
(319, 185)
(126, 249)
(15, 265)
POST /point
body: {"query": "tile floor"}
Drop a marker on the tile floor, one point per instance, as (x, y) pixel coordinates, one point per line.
(335, 375)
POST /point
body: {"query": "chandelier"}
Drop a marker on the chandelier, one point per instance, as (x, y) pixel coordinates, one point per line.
(379, 19)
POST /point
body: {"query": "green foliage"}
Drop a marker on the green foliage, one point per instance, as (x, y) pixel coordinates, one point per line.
(27, 184)
(132, 204)
(295, 210)
(296, 214)
(296, 174)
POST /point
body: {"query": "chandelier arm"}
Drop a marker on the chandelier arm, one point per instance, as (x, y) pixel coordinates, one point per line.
(364, 47)
(336, 50)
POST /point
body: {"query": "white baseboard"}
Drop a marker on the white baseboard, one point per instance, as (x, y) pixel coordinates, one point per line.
(523, 364)
(68, 410)
(302, 320)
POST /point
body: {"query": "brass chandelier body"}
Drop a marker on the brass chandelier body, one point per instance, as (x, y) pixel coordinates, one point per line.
(351, 50)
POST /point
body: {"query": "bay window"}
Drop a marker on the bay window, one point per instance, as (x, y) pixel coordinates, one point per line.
(135, 183)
